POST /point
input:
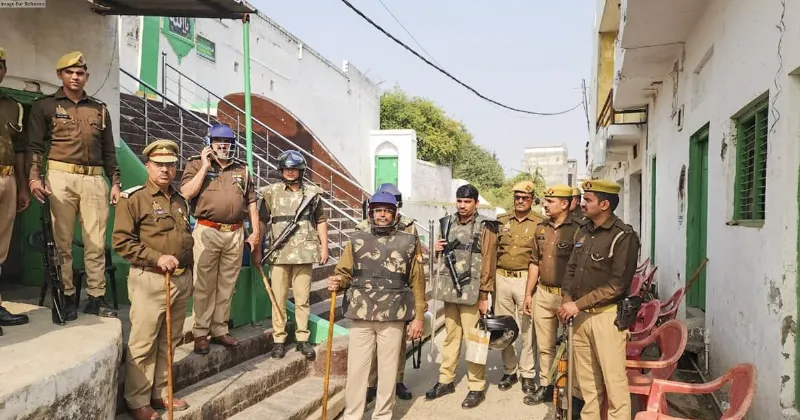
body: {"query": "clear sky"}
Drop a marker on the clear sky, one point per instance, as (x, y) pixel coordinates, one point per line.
(529, 54)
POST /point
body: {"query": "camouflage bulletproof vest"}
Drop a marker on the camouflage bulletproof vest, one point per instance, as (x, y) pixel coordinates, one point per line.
(379, 290)
(303, 246)
(468, 258)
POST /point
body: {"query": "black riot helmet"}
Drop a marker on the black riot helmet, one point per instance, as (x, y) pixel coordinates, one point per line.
(291, 159)
(503, 330)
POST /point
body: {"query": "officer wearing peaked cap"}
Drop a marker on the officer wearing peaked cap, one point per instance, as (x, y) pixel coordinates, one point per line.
(575, 206)
(597, 279)
(515, 243)
(74, 131)
(12, 177)
(152, 233)
(385, 289)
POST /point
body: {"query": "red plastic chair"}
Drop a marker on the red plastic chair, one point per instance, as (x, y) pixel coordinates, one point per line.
(743, 390)
(669, 309)
(648, 280)
(643, 266)
(645, 320)
(671, 339)
(636, 284)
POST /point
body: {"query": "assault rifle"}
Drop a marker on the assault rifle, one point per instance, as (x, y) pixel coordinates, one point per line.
(459, 281)
(52, 265)
(293, 224)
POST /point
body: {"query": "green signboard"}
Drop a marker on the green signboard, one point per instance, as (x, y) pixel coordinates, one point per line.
(179, 32)
(206, 49)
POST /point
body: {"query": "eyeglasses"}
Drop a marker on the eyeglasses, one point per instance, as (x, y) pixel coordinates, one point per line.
(522, 197)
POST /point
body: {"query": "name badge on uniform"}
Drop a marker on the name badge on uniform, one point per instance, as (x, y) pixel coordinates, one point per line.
(61, 113)
(158, 210)
(239, 181)
(579, 244)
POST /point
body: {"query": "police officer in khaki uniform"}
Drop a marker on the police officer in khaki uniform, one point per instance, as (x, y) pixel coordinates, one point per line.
(552, 247)
(77, 128)
(599, 274)
(220, 191)
(515, 243)
(152, 233)
(405, 224)
(385, 284)
(575, 206)
(478, 254)
(291, 264)
(12, 178)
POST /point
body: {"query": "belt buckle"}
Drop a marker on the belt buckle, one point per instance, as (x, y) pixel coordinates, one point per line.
(225, 227)
(79, 169)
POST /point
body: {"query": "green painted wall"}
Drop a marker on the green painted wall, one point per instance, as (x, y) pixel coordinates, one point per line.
(150, 52)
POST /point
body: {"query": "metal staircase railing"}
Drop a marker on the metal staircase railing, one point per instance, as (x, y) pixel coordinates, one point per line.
(184, 90)
(146, 118)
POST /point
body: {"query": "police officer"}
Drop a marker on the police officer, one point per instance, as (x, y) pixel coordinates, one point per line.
(220, 191)
(598, 276)
(404, 224)
(515, 243)
(12, 178)
(152, 233)
(478, 253)
(575, 206)
(291, 264)
(552, 247)
(81, 147)
(385, 285)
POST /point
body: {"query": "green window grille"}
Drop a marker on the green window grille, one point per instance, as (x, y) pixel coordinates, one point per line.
(750, 185)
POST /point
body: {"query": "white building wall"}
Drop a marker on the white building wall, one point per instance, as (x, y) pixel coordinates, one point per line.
(35, 39)
(338, 104)
(400, 143)
(751, 274)
(431, 182)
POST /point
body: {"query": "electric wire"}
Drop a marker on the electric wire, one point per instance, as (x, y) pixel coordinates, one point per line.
(441, 70)
(408, 32)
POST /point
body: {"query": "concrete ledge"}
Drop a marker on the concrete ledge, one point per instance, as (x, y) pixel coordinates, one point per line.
(298, 402)
(53, 372)
(338, 358)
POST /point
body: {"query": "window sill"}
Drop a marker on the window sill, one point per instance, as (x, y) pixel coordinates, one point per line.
(758, 224)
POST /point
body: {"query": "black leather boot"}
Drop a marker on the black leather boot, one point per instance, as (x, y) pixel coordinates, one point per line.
(7, 319)
(474, 398)
(440, 390)
(507, 382)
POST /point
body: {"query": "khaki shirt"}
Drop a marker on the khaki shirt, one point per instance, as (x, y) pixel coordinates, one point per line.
(225, 193)
(552, 249)
(79, 134)
(11, 139)
(489, 255)
(344, 268)
(515, 240)
(149, 224)
(577, 215)
(602, 265)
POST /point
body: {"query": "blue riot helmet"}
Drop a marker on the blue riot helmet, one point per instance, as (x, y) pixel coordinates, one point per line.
(382, 199)
(222, 134)
(392, 189)
(291, 159)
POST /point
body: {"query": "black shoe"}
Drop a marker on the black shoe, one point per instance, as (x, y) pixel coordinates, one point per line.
(70, 308)
(402, 392)
(1, 332)
(98, 306)
(372, 392)
(474, 398)
(528, 385)
(307, 349)
(440, 390)
(539, 396)
(7, 319)
(507, 382)
(278, 351)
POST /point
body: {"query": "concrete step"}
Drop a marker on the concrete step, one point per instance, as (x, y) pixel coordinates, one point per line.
(233, 390)
(298, 402)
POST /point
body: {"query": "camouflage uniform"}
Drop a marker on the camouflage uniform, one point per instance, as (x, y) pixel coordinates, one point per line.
(294, 260)
(385, 288)
(406, 224)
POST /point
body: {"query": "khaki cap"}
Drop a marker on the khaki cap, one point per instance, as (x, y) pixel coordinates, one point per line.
(162, 151)
(559, 191)
(524, 186)
(73, 59)
(2, 54)
(576, 192)
(601, 186)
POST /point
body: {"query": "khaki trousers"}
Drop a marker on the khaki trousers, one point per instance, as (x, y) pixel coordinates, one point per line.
(545, 307)
(85, 196)
(217, 263)
(600, 365)
(300, 277)
(401, 365)
(146, 359)
(368, 340)
(458, 320)
(510, 297)
(8, 211)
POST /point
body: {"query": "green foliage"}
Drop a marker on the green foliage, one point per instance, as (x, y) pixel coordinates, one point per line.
(479, 166)
(504, 197)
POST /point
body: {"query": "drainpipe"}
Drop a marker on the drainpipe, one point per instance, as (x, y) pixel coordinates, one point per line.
(249, 143)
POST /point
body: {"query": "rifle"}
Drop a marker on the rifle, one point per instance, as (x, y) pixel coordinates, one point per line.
(277, 243)
(52, 265)
(459, 281)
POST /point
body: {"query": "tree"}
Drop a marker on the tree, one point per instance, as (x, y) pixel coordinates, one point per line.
(504, 197)
(479, 166)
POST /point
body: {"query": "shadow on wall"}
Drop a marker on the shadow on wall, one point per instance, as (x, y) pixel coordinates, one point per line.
(279, 119)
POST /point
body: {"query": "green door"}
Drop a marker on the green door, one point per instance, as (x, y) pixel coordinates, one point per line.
(653, 211)
(697, 217)
(385, 170)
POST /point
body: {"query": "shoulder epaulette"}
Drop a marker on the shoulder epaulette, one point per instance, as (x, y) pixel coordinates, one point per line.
(127, 193)
(195, 157)
(492, 224)
(504, 215)
(93, 99)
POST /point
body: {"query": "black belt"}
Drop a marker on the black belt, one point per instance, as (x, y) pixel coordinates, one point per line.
(279, 219)
(380, 275)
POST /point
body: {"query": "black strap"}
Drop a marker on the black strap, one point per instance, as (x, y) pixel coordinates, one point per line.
(382, 274)
(416, 353)
(281, 219)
